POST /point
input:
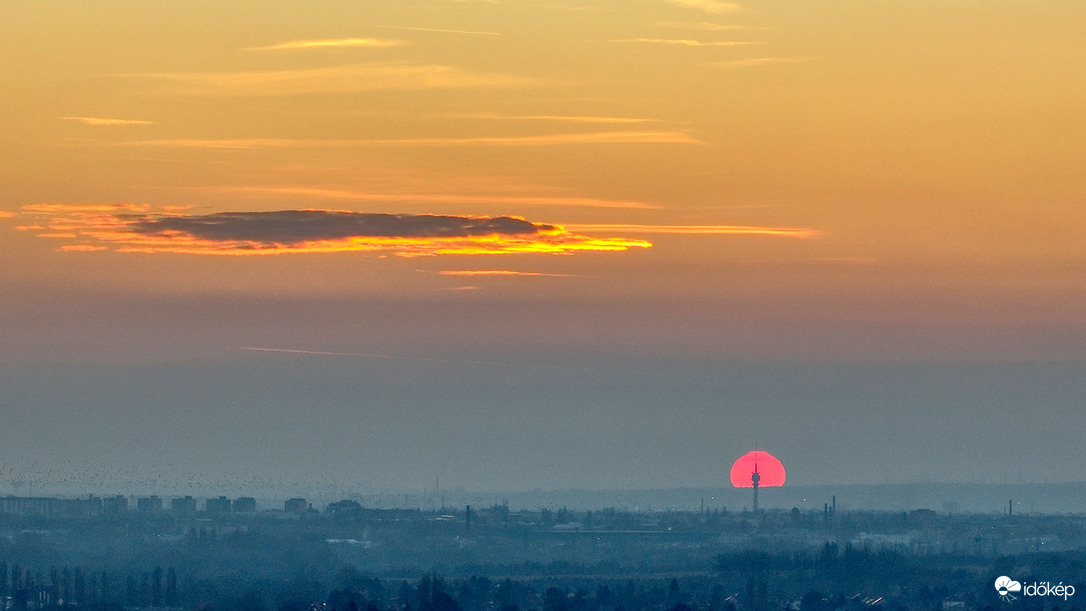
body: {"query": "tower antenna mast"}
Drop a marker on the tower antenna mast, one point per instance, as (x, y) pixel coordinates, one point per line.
(755, 477)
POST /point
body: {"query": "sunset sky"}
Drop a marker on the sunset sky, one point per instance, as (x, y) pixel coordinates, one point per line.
(518, 244)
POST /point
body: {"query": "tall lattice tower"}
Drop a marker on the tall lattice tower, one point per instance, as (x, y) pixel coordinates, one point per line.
(757, 469)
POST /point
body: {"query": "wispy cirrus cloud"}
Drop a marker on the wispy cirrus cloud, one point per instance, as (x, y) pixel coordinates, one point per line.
(605, 137)
(62, 220)
(759, 61)
(437, 30)
(554, 118)
(706, 26)
(83, 208)
(716, 7)
(373, 76)
(47, 209)
(687, 42)
(848, 260)
(788, 232)
(371, 355)
(4, 214)
(502, 272)
(434, 198)
(332, 43)
(150, 230)
(99, 122)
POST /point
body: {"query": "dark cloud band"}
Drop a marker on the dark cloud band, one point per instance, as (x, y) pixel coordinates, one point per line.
(300, 226)
(133, 228)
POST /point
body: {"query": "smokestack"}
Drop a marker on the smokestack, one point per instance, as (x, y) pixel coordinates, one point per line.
(467, 518)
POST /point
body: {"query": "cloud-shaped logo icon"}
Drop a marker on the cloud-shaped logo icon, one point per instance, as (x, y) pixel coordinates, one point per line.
(1005, 586)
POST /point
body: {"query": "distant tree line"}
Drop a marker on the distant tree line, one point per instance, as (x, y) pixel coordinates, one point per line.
(74, 587)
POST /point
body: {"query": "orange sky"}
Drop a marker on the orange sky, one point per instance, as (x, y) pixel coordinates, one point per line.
(810, 180)
(881, 152)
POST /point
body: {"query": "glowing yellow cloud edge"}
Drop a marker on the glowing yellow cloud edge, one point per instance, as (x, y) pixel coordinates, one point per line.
(100, 122)
(110, 227)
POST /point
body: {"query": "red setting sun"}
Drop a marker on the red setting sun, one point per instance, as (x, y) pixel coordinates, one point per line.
(770, 470)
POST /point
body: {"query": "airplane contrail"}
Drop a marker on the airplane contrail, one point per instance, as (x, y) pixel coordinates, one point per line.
(389, 357)
(383, 356)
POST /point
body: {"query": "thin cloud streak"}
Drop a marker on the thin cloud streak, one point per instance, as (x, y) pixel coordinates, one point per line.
(504, 272)
(99, 122)
(438, 30)
(375, 76)
(422, 359)
(608, 137)
(715, 7)
(390, 357)
(760, 61)
(364, 355)
(615, 137)
(556, 118)
(437, 198)
(706, 26)
(83, 208)
(849, 260)
(791, 232)
(331, 43)
(687, 43)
